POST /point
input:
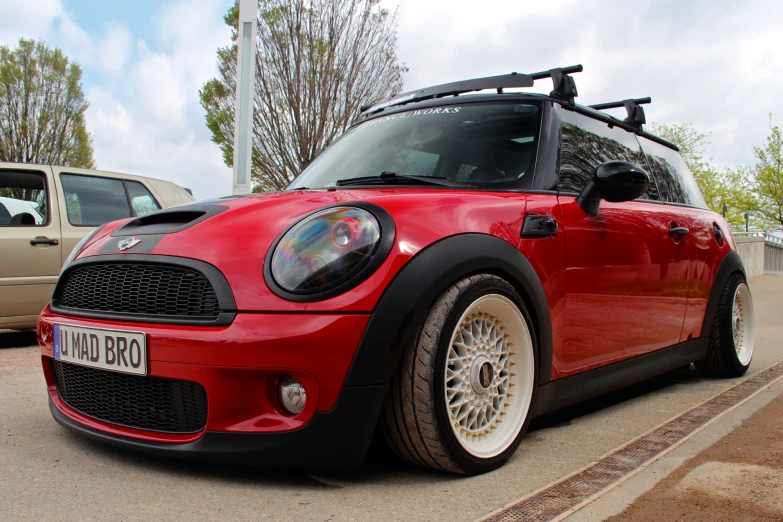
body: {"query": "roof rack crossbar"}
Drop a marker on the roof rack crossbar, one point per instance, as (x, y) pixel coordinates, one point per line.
(454, 89)
(636, 117)
(564, 84)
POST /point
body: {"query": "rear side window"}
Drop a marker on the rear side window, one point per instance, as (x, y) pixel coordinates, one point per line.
(586, 143)
(93, 201)
(141, 200)
(23, 199)
(675, 180)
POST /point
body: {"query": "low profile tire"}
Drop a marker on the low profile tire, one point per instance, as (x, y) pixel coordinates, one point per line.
(460, 401)
(733, 332)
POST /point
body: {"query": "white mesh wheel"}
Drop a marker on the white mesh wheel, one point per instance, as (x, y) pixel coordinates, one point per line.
(489, 376)
(743, 325)
(732, 332)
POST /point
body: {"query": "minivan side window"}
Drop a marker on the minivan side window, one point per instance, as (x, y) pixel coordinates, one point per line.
(675, 180)
(23, 199)
(586, 143)
(92, 201)
(141, 200)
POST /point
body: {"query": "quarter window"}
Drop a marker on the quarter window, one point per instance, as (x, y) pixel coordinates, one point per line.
(676, 182)
(23, 199)
(141, 200)
(93, 201)
(586, 143)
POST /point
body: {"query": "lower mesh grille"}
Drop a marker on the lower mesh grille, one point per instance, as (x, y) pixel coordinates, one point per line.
(134, 401)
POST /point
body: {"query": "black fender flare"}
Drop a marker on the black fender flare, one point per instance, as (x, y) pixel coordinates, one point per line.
(410, 295)
(730, 264)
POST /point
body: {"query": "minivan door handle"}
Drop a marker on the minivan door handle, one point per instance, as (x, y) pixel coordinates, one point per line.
(44, 241)
(678, 231)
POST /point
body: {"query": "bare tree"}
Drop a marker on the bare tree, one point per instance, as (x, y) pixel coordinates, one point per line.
(317, 62)
(42, 107)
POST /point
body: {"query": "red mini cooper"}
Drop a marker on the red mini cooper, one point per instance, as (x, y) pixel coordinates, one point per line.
(457, 263)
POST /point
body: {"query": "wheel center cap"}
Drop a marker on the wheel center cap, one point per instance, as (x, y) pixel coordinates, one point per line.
(481, 374)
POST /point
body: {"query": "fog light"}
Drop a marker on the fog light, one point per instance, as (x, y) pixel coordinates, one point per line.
(292, 394)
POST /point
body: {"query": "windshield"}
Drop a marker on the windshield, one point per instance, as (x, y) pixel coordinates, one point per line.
(487, 145)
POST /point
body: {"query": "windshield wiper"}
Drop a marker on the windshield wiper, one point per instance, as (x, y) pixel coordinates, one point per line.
(392, 178)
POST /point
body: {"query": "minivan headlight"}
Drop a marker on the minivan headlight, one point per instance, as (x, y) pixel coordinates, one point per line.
(328, 251)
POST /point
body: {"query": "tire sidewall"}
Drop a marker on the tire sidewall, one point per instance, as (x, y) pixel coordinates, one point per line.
(465, 460)
(727, 329)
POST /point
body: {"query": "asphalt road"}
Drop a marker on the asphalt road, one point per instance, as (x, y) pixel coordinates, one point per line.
(49, 473)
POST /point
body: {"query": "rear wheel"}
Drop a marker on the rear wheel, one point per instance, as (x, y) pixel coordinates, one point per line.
(460, 401)
(733, 332)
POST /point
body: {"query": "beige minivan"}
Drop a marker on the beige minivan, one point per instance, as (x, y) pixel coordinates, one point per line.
(46, 210)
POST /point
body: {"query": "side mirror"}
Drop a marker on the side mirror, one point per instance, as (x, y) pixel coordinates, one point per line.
(613, 181)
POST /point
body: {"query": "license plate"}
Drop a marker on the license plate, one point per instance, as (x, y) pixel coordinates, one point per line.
(113, 350)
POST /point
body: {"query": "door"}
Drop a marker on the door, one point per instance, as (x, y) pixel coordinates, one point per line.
(626, 274)
(30, 242)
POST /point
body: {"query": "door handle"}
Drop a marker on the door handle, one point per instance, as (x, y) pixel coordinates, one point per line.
(678, 231)
(44, 241)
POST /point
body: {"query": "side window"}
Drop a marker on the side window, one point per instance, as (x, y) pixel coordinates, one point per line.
(141, 200)
(586, 143)
(23, 199)
(93, 201)
(676, 182)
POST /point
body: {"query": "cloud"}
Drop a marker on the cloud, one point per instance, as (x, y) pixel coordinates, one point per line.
(144, 112)
(715, 64)
(28, 18)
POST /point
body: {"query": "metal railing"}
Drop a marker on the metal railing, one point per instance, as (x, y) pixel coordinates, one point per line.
(773, 251)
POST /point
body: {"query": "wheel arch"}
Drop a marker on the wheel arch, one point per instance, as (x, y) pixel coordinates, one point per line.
(729, 265)
(409, 297)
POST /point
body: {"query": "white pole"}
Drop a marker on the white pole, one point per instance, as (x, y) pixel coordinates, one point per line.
(243, 120)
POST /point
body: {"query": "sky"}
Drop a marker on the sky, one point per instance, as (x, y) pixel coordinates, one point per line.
(715, 64)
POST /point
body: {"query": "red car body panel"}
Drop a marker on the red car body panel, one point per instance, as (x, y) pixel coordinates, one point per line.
(243, 246)
(706, 257)
(622, 267)
(590, 279)
(239, 364)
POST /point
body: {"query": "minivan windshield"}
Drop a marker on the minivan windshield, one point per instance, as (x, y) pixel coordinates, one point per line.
(475, 145)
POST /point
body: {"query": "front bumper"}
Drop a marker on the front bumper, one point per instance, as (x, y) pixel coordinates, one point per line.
(338, 438)
(239, 365)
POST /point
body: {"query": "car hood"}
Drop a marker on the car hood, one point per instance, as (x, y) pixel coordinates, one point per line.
(234, 234)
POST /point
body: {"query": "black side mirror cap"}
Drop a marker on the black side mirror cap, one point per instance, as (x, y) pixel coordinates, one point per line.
(614, 181)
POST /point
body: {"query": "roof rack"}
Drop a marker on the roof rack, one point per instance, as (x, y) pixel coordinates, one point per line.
(453, 89)
(565, 88)
(636, 117)
(564, 84)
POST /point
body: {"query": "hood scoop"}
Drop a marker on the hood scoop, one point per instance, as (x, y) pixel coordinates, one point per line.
(169, 221)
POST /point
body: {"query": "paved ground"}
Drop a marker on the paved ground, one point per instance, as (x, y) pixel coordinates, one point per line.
(739, 478)
(49, 473)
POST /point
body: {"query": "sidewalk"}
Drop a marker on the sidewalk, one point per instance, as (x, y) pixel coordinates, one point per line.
(738, 478)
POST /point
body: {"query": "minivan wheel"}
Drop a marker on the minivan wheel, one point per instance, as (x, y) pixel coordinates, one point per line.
(460, 401)
(733, 332)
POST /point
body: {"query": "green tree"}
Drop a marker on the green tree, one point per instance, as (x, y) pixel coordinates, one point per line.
(42, 108)
(317, 62)
(730, 187)
(767, 183)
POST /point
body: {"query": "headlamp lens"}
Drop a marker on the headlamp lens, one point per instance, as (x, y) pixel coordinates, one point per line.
(325, 250)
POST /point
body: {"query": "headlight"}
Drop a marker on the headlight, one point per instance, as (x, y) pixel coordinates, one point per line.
(329, 251)
(79, 246)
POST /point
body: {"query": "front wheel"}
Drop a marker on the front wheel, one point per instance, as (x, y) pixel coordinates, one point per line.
(460, 401)
(733, 332)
